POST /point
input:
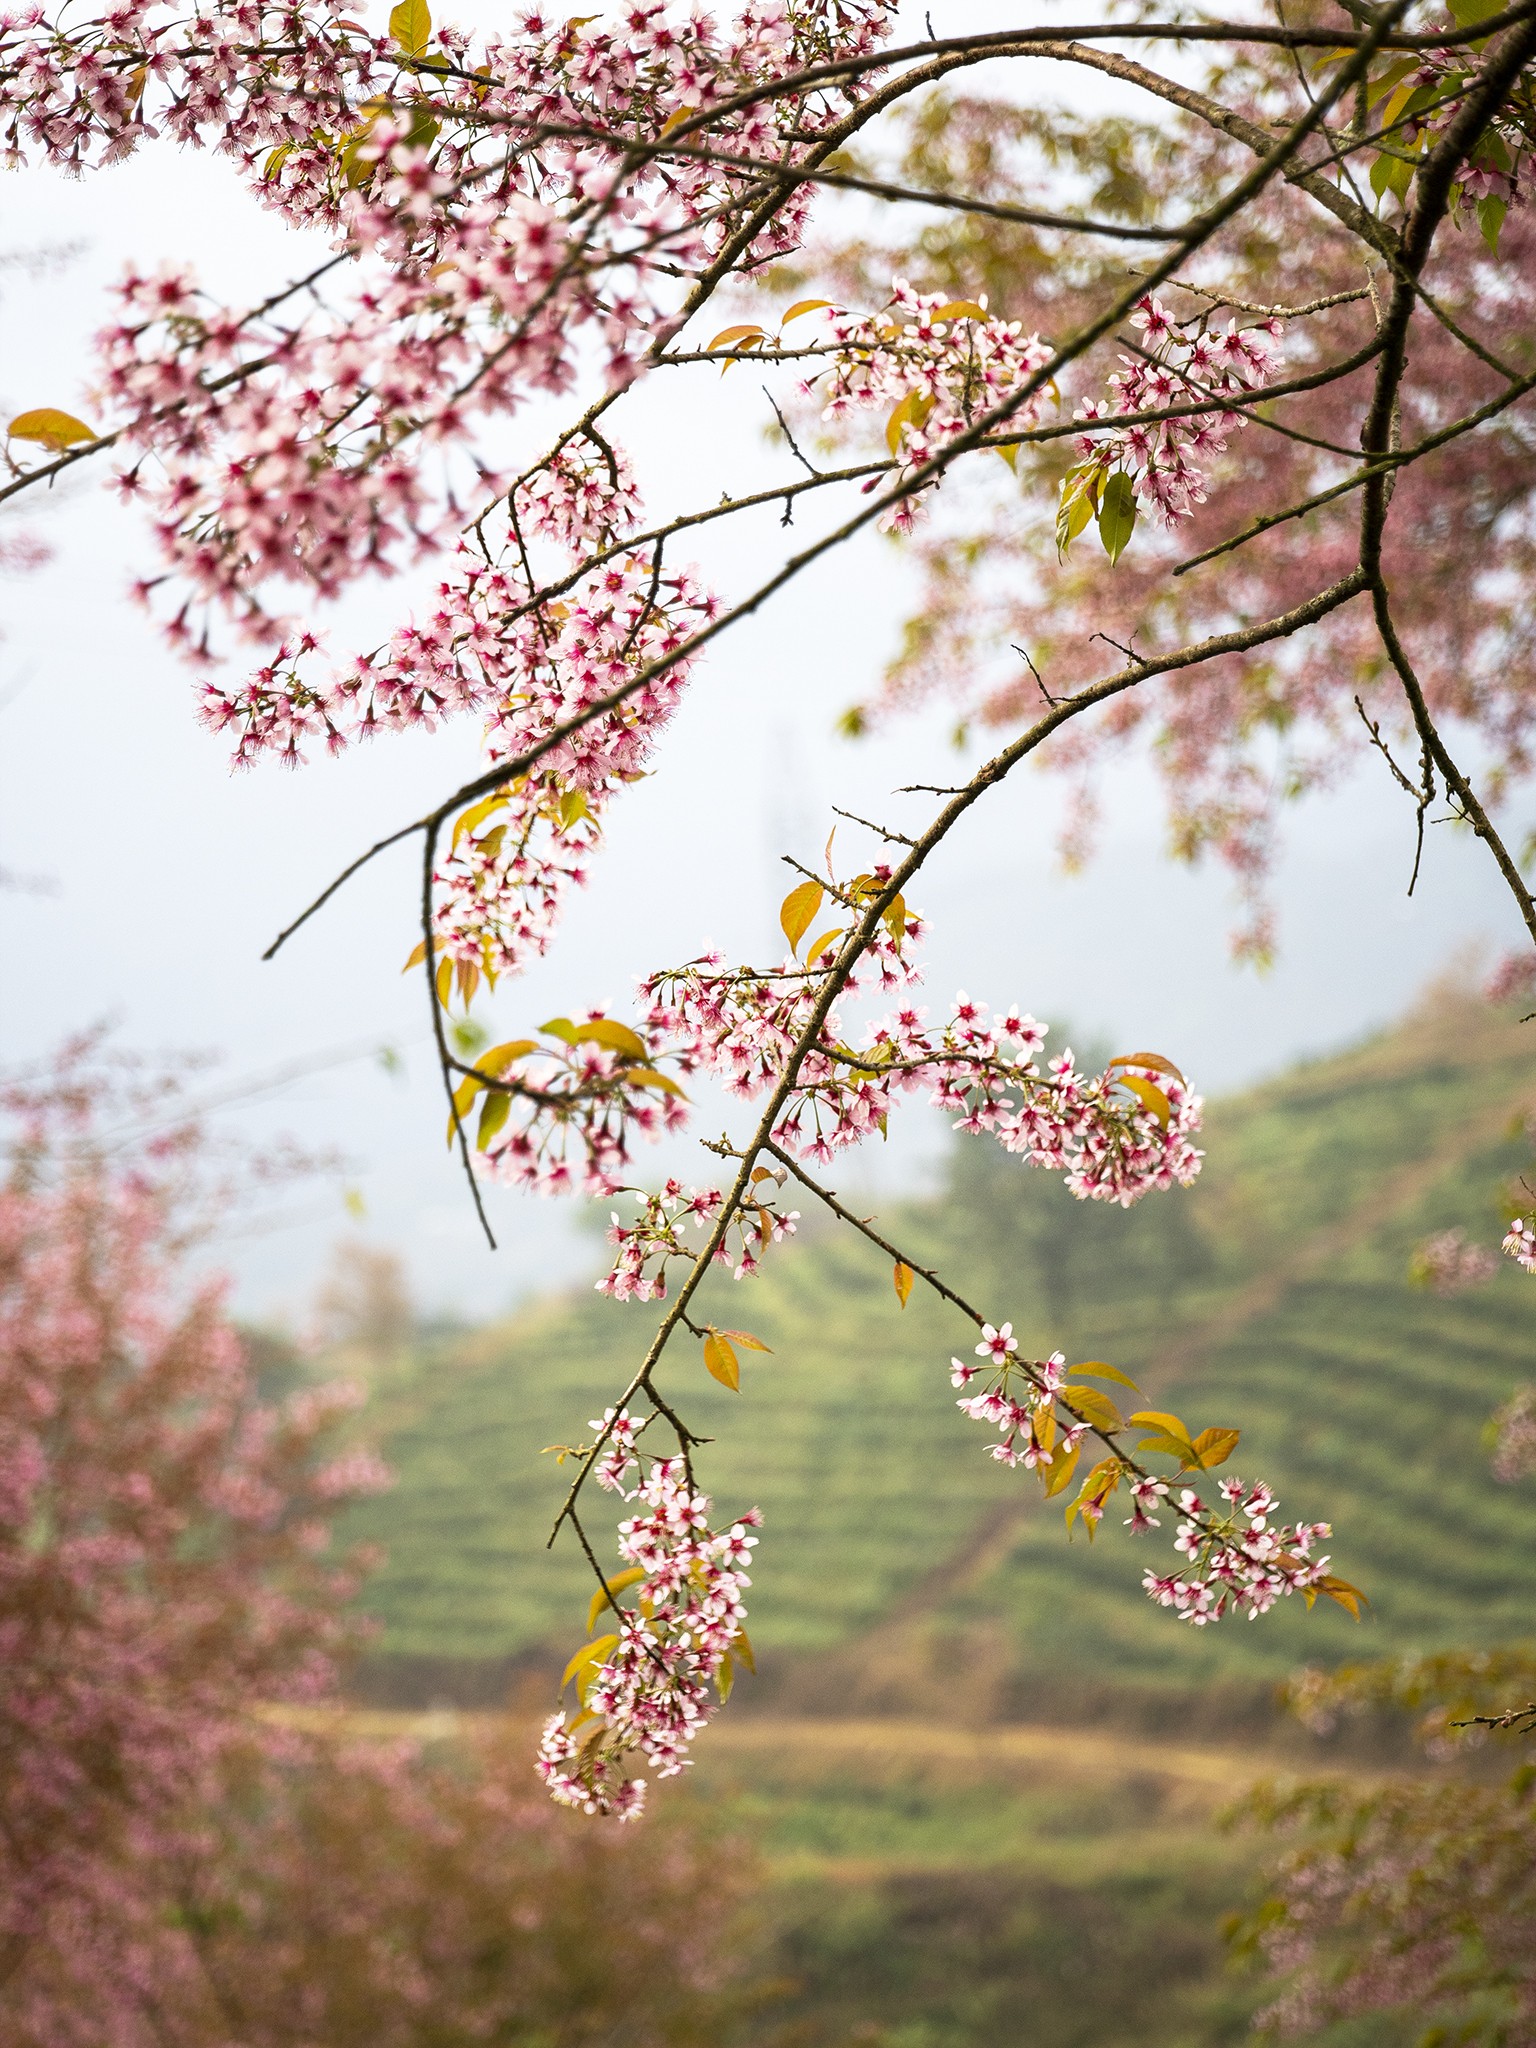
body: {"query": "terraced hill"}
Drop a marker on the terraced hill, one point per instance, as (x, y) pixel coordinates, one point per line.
(899, 1561)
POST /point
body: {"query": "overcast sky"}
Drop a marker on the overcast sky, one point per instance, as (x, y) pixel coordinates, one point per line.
(156, 879)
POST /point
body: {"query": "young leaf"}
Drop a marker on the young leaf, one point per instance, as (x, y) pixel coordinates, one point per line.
(411, 24)
(1164, 1446)
(748, 335)
(1117, 514)
(903, 1277)
(419, 953)
(54, 429)
(806, 306)
(1349, 1597)
(589, 1653)
(609, 1031)
(1490, 218)
(1149, 1095)
(741, 1645)
(720, 1362)
(476, 815)
(818, 946)
(574, 807)
(725, 1677)
(1159, 1418)
(1079, 502)
(562, 1027)
(1213, 1447)
(1093, 1406)
(894, 918)
(494, 1112)
(1095, 1369)
(797, 910)
(647, 1077)
(746, 1337)
(500, 1057)
(910, 411)
(1059, 1476)
(620, 1583)
(959, 309)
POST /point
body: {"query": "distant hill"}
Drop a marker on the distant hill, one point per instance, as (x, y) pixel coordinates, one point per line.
(898, 1562)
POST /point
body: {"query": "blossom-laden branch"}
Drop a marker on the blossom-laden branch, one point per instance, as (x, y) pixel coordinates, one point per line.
(540, 215)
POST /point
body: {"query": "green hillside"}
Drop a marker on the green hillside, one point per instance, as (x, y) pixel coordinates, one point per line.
(897, 1557)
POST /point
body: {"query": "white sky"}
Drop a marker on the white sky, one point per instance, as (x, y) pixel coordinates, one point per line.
(168, 877)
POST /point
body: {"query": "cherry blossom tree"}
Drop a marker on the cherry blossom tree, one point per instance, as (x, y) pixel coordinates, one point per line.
(1278, 464)
(164, 1538)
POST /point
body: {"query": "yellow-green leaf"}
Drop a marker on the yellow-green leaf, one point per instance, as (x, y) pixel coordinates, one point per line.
(1213, 1447)
(1149, 1095)
(805, 306)
(894, 918)
(1096, 1369)
(1059, 1475)
(1158, 1418)
(910, 411)
(720, 1362)
(1349, 1597)
(903, 1277)
(589, 1653)
(476, 815)
(647, 1077)
(959, 309)
(797, 910)
(1117, 514)
(609, 1031)
(725, 1677)
(742, 1646)
(410, 23)
(574, 807)
(54, 429)
(747, 333)
(601, 1603)
(1093, 1406)
(746, 1337)
(675, 119)
(494, 1112)
(560, 1027)
(500, 1057)
(1079, 502)
(818, 946)
(1167, 1446)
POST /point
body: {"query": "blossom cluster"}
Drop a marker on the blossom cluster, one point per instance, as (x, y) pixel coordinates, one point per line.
(651, 1686)
(1241, 1566)
(934, 367)
(1520, 1244)
(655, 1237)
(1042, 1417)
(1113, 1136)
(588, 1087)
(1176, 363)
(496, 216)
(1026, 1428)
